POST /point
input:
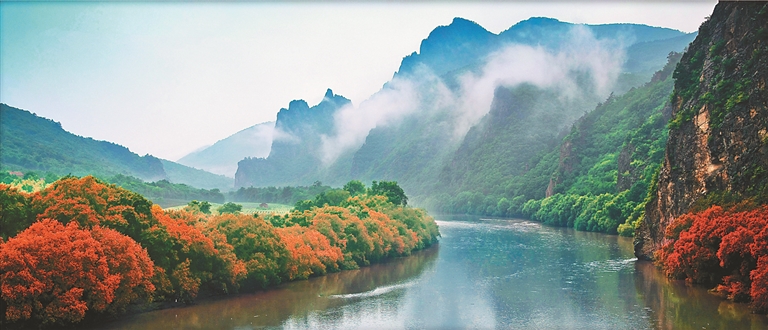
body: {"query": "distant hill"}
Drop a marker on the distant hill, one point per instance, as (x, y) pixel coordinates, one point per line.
(32, 143)
(178, 173)
(222, 156)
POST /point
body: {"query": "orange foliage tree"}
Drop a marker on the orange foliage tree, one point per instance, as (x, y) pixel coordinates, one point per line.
(53, 274)
(90, 202)
(256, 243)
(189, 258)
(109, 228)
(724, 249)
(310, 252)
(345, 231)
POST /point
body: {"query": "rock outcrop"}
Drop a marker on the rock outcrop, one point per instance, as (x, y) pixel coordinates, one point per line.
(295, 155)
(718, 139)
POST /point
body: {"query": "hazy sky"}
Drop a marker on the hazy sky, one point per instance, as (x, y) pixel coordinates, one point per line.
(169, 78)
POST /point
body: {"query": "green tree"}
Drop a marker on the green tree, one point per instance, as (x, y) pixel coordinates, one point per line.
(203, 207)
(355, 187)
(391, 190)
(230, 207)
(333, 197)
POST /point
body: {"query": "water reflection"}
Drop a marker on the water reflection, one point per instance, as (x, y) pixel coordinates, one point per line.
(484, 274)
(675, 305)
(297, 302)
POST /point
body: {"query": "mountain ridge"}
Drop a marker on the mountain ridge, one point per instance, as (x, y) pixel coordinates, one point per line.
(33, 143)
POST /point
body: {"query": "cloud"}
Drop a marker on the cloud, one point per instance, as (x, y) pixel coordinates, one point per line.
(518, 64)
(424, 93)
(283, 136)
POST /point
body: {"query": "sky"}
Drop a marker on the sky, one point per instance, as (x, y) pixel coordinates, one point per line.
(170, 78)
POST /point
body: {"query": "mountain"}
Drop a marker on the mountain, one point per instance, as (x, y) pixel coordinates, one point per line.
(178, 173)
(32, 143)
(463, 42)
(470, 104)
(423, 149)
(222, 157)
(294, 157)
(718, 140)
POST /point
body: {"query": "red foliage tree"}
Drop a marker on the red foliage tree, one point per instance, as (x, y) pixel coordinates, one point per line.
(128, 260)
(727, 250)
(53, 273)
(188, 256)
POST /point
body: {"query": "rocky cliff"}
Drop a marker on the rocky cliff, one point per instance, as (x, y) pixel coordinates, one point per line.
(718, 139)
(294, 158)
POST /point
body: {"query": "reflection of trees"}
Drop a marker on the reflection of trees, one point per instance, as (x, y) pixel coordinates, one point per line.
(674, 305)
(295, 299)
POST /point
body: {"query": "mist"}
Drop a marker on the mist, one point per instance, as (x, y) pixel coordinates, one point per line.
(470, 97)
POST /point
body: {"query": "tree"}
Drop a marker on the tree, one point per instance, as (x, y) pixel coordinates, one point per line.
(91, 202)
(391, 190)
(203, 207)
(304, 205)
(727, 250)
(230, 207)
(15, 215)
(53, 273)
(257, 244)
(355, 187)
(333, 197)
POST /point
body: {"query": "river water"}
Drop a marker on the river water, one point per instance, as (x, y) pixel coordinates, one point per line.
(483, 274)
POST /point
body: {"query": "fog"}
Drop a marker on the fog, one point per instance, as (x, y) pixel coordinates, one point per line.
(464, 105)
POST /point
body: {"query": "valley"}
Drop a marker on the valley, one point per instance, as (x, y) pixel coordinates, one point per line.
(582, 176)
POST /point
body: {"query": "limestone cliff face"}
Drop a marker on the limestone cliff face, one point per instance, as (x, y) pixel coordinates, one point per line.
(718, 139)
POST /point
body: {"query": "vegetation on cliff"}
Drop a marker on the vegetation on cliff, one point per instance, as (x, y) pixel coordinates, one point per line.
(724, 250)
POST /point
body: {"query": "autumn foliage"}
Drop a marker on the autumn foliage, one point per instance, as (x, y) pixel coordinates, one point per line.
(55, 273)
(81, 247)
(727, 250)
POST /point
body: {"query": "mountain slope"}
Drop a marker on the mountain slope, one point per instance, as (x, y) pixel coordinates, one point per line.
(222, 156)
(718, 142)
(29, 142)
(488, 150)
(607, 158)
(32, 143)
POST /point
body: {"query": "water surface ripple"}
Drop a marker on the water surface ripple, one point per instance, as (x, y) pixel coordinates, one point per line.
(484, 274)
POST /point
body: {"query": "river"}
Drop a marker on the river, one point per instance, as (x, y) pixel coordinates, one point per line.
(482, 274)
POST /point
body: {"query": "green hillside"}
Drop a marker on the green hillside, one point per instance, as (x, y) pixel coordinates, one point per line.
(595, 179)
(29, 143)
(33, 143)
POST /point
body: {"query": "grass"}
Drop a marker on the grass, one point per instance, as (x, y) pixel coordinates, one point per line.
(249, 208)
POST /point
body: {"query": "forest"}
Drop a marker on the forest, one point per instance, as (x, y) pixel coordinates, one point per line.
(83, 249)
(160, 192)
